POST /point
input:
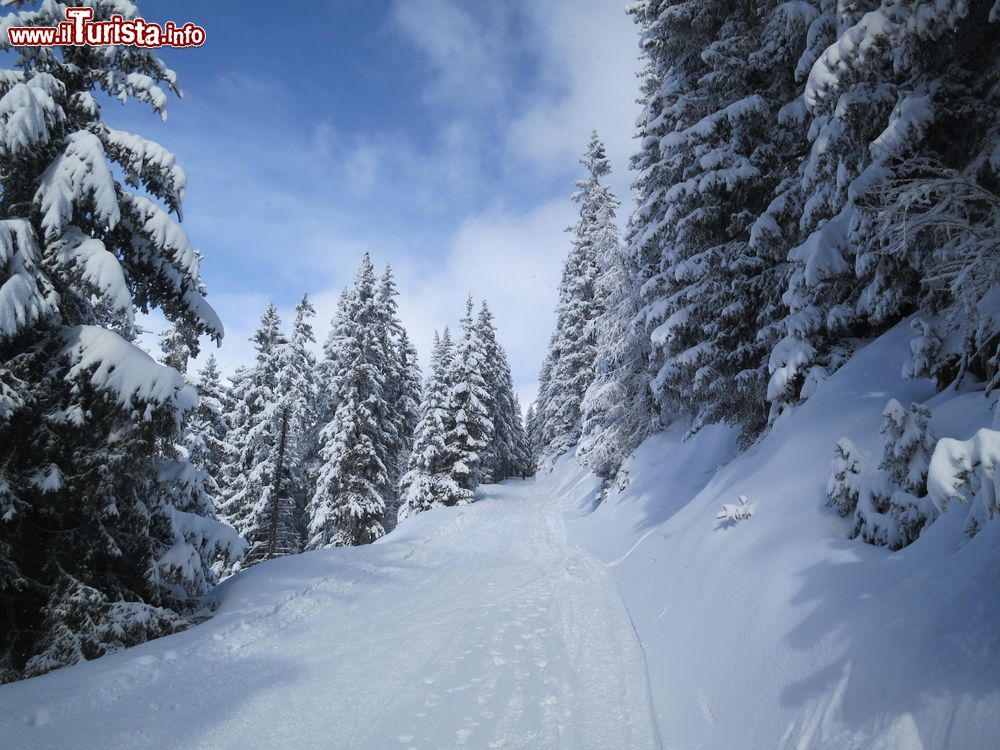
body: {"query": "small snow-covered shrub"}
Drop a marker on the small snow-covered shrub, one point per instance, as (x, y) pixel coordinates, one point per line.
(925, 352)
(845, 482)
(733, 513)
(917, 479)
(892, 507)
(966, 471)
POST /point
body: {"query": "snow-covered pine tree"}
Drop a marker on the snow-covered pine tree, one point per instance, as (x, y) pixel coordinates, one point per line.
(523, 465)
(402, 389)
(256, 498)
(502, 457)
(176, 346)
(407, 396)
(539, 428)
(722, 142)
(572, 350)
(98, 550)
(530, 430)
(297, 403)
(328, 370)
(845, 484)
(468, 428)
(357, 445)
(967, 472)
(427, 482)
(888, 501)
(617, 411)
(907, 445)
(901, 178)
(209, 419)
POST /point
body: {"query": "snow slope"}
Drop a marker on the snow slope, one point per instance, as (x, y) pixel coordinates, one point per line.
(477, 627)
(536, 618)
(779, 632)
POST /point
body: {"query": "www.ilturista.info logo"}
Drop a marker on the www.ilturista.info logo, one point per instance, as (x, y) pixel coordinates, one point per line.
(80, 29)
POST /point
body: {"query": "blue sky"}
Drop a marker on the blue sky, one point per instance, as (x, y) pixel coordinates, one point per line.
(441, 135)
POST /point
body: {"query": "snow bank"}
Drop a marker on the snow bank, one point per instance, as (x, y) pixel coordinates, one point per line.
(779, 631)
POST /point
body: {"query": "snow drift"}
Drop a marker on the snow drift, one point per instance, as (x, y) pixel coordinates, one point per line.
(779, 631)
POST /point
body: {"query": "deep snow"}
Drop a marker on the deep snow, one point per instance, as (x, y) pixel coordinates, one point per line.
(778, 631)
(536, 618)
(477, 627)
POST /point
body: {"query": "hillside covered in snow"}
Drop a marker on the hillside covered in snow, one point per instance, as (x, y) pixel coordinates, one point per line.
(541, 617)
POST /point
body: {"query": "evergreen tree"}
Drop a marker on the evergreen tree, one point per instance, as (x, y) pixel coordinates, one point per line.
(468, 429)
(402, 389)
(572, 351)
(357, 445)
(523, 464)
(530, 441)
(101, 545)
(257, 501)
(617, 411)
(502, 457)
(541, 433)
(427, 482)
(901, 179)
(209, 419)
(297, 404)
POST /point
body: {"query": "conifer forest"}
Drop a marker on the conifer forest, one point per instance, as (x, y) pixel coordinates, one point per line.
(566, 374)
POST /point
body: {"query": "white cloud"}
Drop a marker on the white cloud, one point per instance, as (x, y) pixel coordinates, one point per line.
(477, 204)
(468, 52)
(589, 51)
(514, 262)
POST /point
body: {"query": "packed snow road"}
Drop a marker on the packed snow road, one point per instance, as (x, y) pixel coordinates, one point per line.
(475, 627)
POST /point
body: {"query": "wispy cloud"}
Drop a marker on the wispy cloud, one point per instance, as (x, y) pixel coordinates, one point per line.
(465, 190)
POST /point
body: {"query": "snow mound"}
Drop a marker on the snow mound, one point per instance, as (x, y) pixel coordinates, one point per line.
(781, 632)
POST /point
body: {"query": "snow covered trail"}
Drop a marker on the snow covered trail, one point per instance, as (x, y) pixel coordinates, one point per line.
(474, 627)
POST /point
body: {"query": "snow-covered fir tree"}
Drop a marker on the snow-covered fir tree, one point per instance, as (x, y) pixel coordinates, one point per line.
(358, 445)
(402, 389)
(572, 350)
(207, 425)
(256, 485)
(902, 203)
(522, 442)
(104, 538)
(468, 428)
(617, 412)
(504, 454)
(888, 500)
(428, 483)
(297, 404)
(530, 441)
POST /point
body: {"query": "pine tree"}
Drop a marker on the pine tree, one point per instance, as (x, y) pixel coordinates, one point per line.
(616, 412)
(902, 205)
(468, 429)
(402, 389)
(297, 404)
(541, 433)
(257, 500)
(502, 457)
(531, 443)
(210, 418)
(523, 464)
(99, 546)
(572, 351)
(357, 445)
(427, 482)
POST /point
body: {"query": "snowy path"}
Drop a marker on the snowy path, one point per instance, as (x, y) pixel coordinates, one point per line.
(479, 627)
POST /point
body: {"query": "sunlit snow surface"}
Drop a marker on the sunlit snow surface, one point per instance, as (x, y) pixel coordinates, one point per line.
(474, 627)
(512, 623)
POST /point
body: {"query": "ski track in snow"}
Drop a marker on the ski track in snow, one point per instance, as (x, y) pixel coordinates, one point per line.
(481, 627)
